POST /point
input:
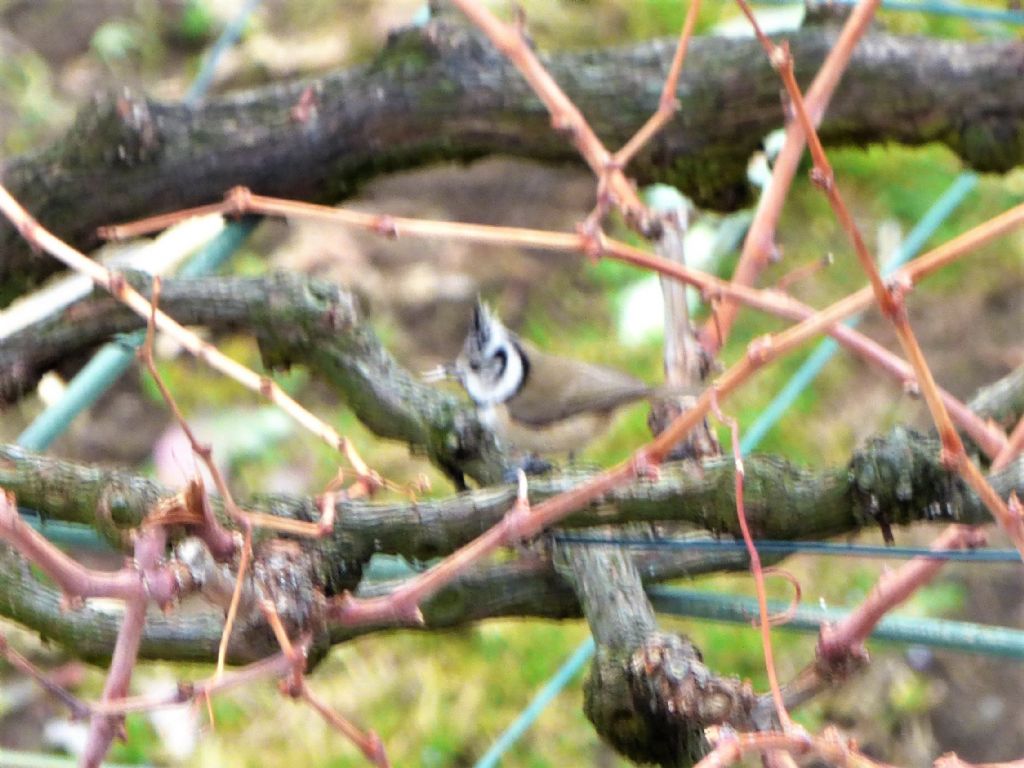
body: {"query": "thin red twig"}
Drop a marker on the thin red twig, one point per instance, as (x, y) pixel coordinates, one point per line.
(668, 104)
(1010, 451)
(987, 436)
(839, 640)
(368, 742)
(890, 298)
(150, 544)
(75, 580)
(79, 709)
(757, 572)
(804, 271)
(759, 243)
(565, 116)
(41, 238)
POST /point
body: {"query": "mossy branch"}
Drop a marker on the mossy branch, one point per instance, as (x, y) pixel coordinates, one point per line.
(295, 320)
(897, 479)
(443, 93)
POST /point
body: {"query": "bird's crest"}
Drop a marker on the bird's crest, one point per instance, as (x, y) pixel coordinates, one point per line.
(483, 324)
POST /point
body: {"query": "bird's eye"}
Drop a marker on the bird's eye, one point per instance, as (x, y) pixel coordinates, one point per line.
(474, 365)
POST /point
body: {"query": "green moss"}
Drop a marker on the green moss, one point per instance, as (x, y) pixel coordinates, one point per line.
(407, 53)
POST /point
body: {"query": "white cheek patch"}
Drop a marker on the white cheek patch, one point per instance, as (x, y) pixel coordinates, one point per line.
(488, 416)
(511, 379)
(478, 391)
(489, 392)
(485, 390)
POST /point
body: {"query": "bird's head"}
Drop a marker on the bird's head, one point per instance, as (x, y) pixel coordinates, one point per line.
(491, 366)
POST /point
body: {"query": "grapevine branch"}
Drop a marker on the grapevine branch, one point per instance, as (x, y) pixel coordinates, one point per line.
(566, 117)
(183, 155)
(402, 605)
(987, 436)
(41, 238)
(890, 298)
(296, 686)
(785, 501)
(759, 243)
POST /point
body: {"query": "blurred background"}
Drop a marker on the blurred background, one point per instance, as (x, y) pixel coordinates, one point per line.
(440, 699)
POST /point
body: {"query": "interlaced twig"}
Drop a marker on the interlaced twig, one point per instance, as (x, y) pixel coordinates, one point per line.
(147, 579)
(41, 238)
(988, 436)
(890, 298)
(76, 582)
(759, 244)
(296, 687)
(246, 520)
(831, 746)
(566, 117)
(402, 605)
(668, 104)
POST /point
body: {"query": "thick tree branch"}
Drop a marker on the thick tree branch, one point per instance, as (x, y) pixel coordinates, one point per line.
(894, 481)
(318, 325)
(444, 93)
(295, 321)
(648, 693)
(898, 479)
(527, 587)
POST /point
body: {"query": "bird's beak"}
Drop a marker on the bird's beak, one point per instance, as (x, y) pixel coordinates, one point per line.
(439, 373)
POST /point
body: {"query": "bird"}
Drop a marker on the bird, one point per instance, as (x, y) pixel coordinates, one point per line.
(536, 402)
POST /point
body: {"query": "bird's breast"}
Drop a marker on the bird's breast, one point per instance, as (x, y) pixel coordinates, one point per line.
(564, 436)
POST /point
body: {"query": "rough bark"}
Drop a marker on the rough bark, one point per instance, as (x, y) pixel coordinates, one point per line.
(295, 320)
(308, 322)
(445, 94)
(648, 693)
(526, 587)
(895, 480)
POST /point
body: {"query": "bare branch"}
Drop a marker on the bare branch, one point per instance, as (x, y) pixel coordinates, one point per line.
(890, 298)
(116, 285)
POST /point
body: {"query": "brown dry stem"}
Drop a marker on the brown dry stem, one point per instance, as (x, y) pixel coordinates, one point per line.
(44, 240)
(759, 244)
(890, 298)
(987, 436)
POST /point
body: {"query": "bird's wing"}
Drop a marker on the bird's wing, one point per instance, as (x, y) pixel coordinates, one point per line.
(557, 388)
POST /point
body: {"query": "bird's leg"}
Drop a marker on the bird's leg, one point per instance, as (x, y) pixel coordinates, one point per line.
(529, 464)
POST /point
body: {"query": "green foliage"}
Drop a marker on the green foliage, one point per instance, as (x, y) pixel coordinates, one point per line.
(141, 744)
(115, 41)
(197, 23)
(27, 91)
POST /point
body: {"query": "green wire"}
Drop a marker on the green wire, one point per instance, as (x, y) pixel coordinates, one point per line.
(963, 636)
